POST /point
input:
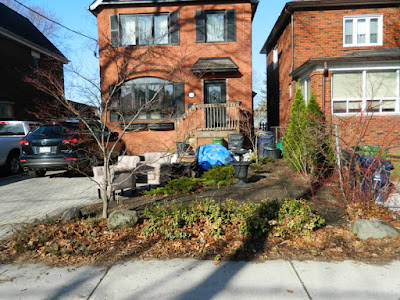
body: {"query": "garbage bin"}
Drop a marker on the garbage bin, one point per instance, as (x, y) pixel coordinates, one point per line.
(266, 141)
(235, 141)
(280, 147)
(217, 141)
(374, 176)
(273, 153)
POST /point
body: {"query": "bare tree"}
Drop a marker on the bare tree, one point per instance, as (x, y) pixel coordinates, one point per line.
(110, 100)
(38, 15)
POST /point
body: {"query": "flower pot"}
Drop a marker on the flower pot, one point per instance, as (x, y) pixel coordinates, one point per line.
(241, 168)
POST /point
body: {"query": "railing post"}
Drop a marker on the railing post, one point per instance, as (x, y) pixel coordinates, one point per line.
(237, 116)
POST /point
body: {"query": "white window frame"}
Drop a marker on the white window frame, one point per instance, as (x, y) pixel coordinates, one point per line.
(367, 18)
(152, 38)
(364, 98)
(306, 89)
(275, 56)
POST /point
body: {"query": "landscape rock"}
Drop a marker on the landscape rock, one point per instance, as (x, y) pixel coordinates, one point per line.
(72, 213)
(376, 229)
(122, 218)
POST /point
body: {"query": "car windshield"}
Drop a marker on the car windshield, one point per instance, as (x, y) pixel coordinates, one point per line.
(97, 128)
(11, 129)
(54, 130)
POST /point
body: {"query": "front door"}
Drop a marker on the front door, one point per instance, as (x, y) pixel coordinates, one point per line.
(215, 95)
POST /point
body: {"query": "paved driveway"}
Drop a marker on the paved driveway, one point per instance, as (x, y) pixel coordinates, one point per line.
(24, 199)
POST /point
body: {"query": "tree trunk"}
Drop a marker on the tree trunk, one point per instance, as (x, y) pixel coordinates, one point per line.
(104, 198)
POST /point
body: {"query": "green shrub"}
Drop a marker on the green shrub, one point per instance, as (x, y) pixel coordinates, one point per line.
(265, 160)
(175, 186)
(293, 140)
(296, 218)
(257, 217)
(219, 175)
(173, 220)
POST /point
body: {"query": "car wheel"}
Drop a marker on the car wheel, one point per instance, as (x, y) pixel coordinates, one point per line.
(13, 165)
(37, 173)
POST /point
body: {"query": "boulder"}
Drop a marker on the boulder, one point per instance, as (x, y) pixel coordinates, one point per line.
(122, 218)
(72, 213)
(376, 229)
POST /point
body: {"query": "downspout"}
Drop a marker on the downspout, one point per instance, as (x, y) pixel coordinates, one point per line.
(324, 75)
(292, 40)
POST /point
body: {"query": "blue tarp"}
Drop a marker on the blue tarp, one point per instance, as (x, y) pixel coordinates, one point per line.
(211, 155)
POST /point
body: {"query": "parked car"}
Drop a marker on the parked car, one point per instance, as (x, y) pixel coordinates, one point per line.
(66, 145)
(11, 132)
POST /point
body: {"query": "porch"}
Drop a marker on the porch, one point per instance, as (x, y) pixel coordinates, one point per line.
(203, 122)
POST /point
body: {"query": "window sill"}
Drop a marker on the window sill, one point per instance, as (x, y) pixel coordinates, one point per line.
(149, 126)
(220, 42)
(153, 45)
(362, 45)
(368, 114)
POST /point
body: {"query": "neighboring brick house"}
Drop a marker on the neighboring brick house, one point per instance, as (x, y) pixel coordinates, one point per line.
(347, 53)
(198, 64)
(24, 50)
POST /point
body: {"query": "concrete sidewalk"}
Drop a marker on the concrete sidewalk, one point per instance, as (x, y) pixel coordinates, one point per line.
(194, 279)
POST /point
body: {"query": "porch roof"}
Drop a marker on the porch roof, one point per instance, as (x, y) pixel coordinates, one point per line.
(376, 55)
(214, 64)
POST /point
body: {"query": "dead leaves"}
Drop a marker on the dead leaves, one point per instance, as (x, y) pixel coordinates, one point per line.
(90, 242)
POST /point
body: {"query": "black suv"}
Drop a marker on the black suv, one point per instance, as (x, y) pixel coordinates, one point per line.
(65, 145)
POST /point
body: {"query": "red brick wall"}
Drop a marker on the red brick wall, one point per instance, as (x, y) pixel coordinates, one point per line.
(181, 58)
(278, 81)
(383, 131)
(320, 34)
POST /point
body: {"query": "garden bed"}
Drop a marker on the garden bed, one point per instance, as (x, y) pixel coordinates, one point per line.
(90, 242)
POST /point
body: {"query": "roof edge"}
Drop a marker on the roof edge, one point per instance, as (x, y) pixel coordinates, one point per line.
(95, 4)
(32, 45)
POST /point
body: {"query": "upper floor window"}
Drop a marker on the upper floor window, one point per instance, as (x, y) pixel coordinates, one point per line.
(364, 30)
(215, 26)
(144, 29)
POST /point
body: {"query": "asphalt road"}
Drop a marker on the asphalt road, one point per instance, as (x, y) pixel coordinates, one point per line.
(24, 199)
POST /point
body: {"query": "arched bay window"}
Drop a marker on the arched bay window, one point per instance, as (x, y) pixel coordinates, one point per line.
(151, 98)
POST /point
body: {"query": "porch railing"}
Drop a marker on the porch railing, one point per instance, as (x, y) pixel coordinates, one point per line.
(208, 117)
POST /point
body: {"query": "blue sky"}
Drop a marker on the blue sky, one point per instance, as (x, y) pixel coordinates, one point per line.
(79, 50)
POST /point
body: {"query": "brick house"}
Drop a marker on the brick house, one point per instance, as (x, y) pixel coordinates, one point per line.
(347, 53)
(24, 51)
(197, 72)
